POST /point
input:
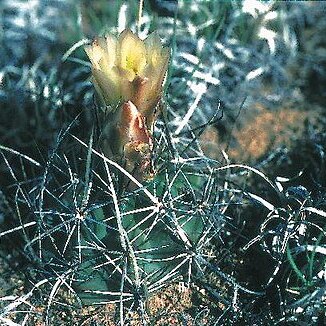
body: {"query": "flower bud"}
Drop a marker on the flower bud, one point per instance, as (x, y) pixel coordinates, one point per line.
(127, 138)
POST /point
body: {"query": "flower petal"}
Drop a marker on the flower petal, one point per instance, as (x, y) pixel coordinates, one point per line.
(95, 53)
(131, 52)
(153, 49)
(111, 49)
(108, 86)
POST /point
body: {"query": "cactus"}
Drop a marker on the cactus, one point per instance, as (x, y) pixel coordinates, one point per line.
(118, 244)
(124, 229)
(155, 244)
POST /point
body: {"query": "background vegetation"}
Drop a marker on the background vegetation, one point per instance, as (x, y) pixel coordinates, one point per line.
(240, 144)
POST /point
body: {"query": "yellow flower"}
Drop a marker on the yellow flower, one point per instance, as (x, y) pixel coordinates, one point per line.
(129, 69)
(128, 75)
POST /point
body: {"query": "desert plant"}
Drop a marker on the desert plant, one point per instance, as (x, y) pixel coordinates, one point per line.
(106, 202)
